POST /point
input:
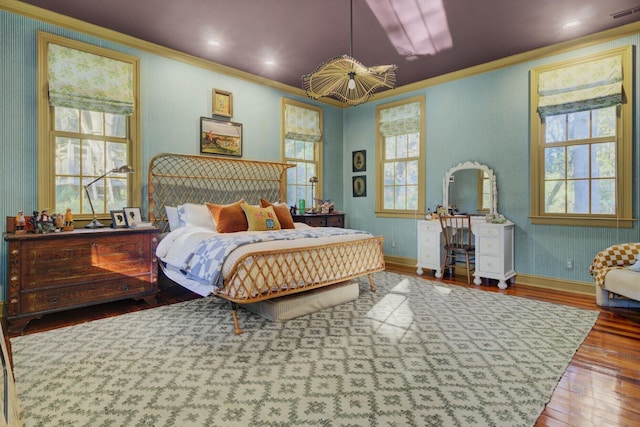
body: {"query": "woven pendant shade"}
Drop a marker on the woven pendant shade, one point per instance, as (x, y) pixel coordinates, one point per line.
(346, 79)
(331, 79)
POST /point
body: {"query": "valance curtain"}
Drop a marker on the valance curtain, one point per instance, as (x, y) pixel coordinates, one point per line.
(581, 87)
(400, 120)
(79, 79)
(302, 124)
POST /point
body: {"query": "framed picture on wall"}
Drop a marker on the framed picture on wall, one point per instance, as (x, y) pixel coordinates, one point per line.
(220, 137)
(359, 161)
(222, 103)
(359, 186)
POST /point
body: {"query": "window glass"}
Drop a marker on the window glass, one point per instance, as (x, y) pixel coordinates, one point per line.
(86, 155)
(571, 170)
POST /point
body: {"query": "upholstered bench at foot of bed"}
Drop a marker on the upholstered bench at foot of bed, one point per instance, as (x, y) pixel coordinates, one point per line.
(296, 305)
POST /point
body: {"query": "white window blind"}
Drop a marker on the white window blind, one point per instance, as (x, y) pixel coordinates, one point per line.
(401, 120)
(302, 124)
(581, 87)
(79, 79)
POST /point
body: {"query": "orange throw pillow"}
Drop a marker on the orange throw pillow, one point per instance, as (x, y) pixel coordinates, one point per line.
(282, 212)
(229, 218)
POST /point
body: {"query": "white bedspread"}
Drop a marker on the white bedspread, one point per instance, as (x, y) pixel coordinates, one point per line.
(177, 249)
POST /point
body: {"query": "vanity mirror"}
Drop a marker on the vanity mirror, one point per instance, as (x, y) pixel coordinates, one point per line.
(471, 186)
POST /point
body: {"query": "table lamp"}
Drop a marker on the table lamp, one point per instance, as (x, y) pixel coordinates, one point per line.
(94, 222)
(313, 180)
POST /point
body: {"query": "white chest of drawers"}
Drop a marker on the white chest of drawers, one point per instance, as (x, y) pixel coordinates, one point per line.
(494, 250)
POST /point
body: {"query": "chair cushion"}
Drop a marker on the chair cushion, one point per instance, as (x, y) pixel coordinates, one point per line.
(623, 281)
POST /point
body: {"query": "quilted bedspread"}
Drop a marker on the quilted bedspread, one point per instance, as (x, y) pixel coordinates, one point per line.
(206, 253)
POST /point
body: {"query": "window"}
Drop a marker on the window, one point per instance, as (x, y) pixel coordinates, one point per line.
(302, 146)
(86, 130)
(581, 141)
(401, 158)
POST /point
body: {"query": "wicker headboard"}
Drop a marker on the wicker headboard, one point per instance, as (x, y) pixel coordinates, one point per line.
(175, 179)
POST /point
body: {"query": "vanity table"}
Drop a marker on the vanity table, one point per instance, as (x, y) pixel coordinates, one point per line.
(494, 258)
(494, 249)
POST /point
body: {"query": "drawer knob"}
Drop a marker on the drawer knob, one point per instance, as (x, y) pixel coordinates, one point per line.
(54, 300)
(125, 287)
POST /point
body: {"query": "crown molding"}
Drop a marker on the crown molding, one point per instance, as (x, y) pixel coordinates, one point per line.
(74, 24)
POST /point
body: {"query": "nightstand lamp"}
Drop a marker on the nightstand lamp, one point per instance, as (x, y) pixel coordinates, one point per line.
(94, 222)
(313, 180)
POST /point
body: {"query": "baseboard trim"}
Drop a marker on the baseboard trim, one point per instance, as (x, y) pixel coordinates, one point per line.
(408, 265)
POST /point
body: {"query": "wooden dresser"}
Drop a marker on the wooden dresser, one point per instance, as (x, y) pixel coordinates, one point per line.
(58, 271)
(321, 220)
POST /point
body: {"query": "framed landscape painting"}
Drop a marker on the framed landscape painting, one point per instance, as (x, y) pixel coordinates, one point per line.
(220, 137)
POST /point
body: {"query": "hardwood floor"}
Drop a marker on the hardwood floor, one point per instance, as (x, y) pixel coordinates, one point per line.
(601, 386)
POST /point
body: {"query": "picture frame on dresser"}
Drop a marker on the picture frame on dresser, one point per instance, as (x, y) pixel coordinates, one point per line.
(132, 216)
(118, 219)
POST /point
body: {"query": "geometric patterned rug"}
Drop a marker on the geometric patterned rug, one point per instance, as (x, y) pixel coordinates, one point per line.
(414, 353)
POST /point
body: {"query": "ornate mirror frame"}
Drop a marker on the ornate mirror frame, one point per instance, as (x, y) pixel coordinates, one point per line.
(493, 208)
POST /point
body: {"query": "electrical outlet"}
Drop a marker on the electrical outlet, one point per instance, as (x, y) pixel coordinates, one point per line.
(393, 244)
(569, 264)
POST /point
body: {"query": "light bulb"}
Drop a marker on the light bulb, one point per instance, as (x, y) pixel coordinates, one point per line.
(352, 84)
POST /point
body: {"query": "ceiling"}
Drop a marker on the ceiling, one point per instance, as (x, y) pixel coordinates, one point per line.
(298, 35)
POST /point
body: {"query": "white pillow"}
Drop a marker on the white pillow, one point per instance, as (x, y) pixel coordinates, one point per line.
(636, 266)
(172, 217)
(193, 214)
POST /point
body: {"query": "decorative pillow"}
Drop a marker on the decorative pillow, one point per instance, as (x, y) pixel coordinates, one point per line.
(636, 266)
(194, 214)
(282, 212)
(228, 218)
(261, 219)
(172, 217)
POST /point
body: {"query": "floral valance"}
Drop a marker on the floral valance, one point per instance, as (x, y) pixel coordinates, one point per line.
(79, 79)
(581, 87)
(302, 124)
(400, 120)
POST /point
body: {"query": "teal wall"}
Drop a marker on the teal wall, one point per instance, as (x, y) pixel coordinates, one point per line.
(174, 95)
(482, 118)
(485, 118)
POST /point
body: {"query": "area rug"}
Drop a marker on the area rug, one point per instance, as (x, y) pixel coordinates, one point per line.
(415, 353)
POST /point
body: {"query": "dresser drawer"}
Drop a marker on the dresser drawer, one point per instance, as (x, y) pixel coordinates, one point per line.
(490, 264)
(76, 261)
(70, 296)
(488, 230)
(335, 221)
(488, 245)
(316, 221)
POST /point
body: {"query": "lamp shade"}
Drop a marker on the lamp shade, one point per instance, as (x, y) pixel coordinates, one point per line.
(347, 80)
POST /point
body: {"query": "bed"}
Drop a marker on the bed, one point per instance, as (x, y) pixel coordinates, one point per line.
(265, 269)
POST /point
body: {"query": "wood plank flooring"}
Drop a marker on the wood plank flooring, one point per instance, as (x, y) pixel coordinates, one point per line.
(601, 386)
